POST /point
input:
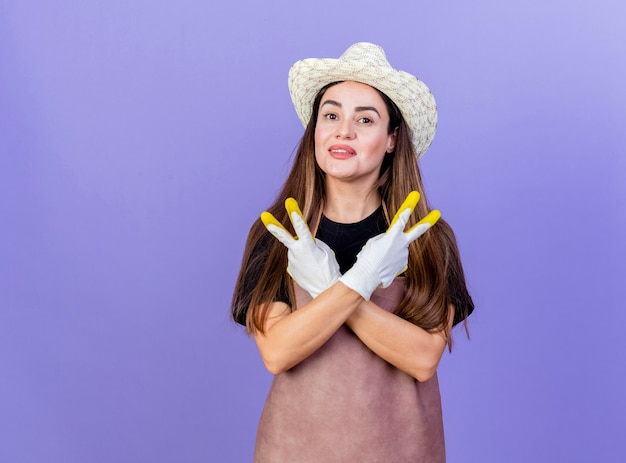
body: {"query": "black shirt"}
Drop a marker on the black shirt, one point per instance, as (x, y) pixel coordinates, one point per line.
(347, 239)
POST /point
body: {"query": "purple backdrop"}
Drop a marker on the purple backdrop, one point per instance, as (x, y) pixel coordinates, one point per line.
(139, 140)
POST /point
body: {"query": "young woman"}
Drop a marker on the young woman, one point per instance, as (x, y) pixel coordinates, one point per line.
(354, 349)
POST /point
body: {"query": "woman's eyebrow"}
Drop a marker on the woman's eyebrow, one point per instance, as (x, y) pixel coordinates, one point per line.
(367, 108)
(357, 109)
(332, 102)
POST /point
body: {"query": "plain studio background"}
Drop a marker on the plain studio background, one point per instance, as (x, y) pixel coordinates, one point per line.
(139, 140)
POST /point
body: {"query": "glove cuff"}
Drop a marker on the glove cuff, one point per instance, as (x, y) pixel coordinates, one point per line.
(363, 281)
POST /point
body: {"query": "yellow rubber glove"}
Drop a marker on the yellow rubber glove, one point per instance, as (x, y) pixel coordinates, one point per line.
(311, 263)
(386, 255)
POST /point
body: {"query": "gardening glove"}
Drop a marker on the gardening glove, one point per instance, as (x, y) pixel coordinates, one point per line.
(311, 263)
(385, 256)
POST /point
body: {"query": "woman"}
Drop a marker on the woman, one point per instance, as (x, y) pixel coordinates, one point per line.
(354, 349)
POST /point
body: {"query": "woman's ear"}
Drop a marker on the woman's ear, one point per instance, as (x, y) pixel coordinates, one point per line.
(391, 144)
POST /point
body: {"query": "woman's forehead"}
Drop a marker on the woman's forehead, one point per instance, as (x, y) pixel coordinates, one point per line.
(354, 92)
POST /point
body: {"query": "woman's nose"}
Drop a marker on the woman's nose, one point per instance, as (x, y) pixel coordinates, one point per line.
(345, 129)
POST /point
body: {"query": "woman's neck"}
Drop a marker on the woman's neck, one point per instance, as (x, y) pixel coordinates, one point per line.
(346, 203)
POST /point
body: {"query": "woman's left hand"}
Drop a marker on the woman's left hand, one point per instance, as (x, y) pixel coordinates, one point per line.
(312, 264)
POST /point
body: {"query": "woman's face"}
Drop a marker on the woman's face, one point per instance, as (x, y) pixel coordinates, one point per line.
(351, 135)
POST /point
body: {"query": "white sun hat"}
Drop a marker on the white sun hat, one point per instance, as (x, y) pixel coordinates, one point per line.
(366, 63)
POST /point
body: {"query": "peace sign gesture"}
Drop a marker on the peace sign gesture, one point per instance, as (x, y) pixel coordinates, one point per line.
(311, 263)
(385, 256)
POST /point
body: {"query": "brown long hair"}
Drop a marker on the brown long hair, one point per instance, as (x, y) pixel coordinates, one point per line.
(433, 258)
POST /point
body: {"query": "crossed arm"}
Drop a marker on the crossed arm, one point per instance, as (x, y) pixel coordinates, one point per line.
(290, 337)
(398, 341)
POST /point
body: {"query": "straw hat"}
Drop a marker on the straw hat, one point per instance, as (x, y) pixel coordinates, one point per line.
(366, 63)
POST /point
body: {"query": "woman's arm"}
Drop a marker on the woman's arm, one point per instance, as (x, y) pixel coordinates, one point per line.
(290, 337)
(401, 343)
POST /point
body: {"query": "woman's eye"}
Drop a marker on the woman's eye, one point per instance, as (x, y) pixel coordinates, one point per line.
(330, 116)
(365, 120)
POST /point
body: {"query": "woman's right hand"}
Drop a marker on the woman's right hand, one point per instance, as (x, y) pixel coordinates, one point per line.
(385, 256)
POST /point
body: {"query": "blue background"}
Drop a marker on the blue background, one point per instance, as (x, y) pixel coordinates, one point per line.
(140, 139)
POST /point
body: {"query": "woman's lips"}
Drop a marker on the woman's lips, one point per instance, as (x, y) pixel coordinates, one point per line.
(341, 151)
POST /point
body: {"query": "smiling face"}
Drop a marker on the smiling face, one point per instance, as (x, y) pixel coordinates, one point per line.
(352, 133)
